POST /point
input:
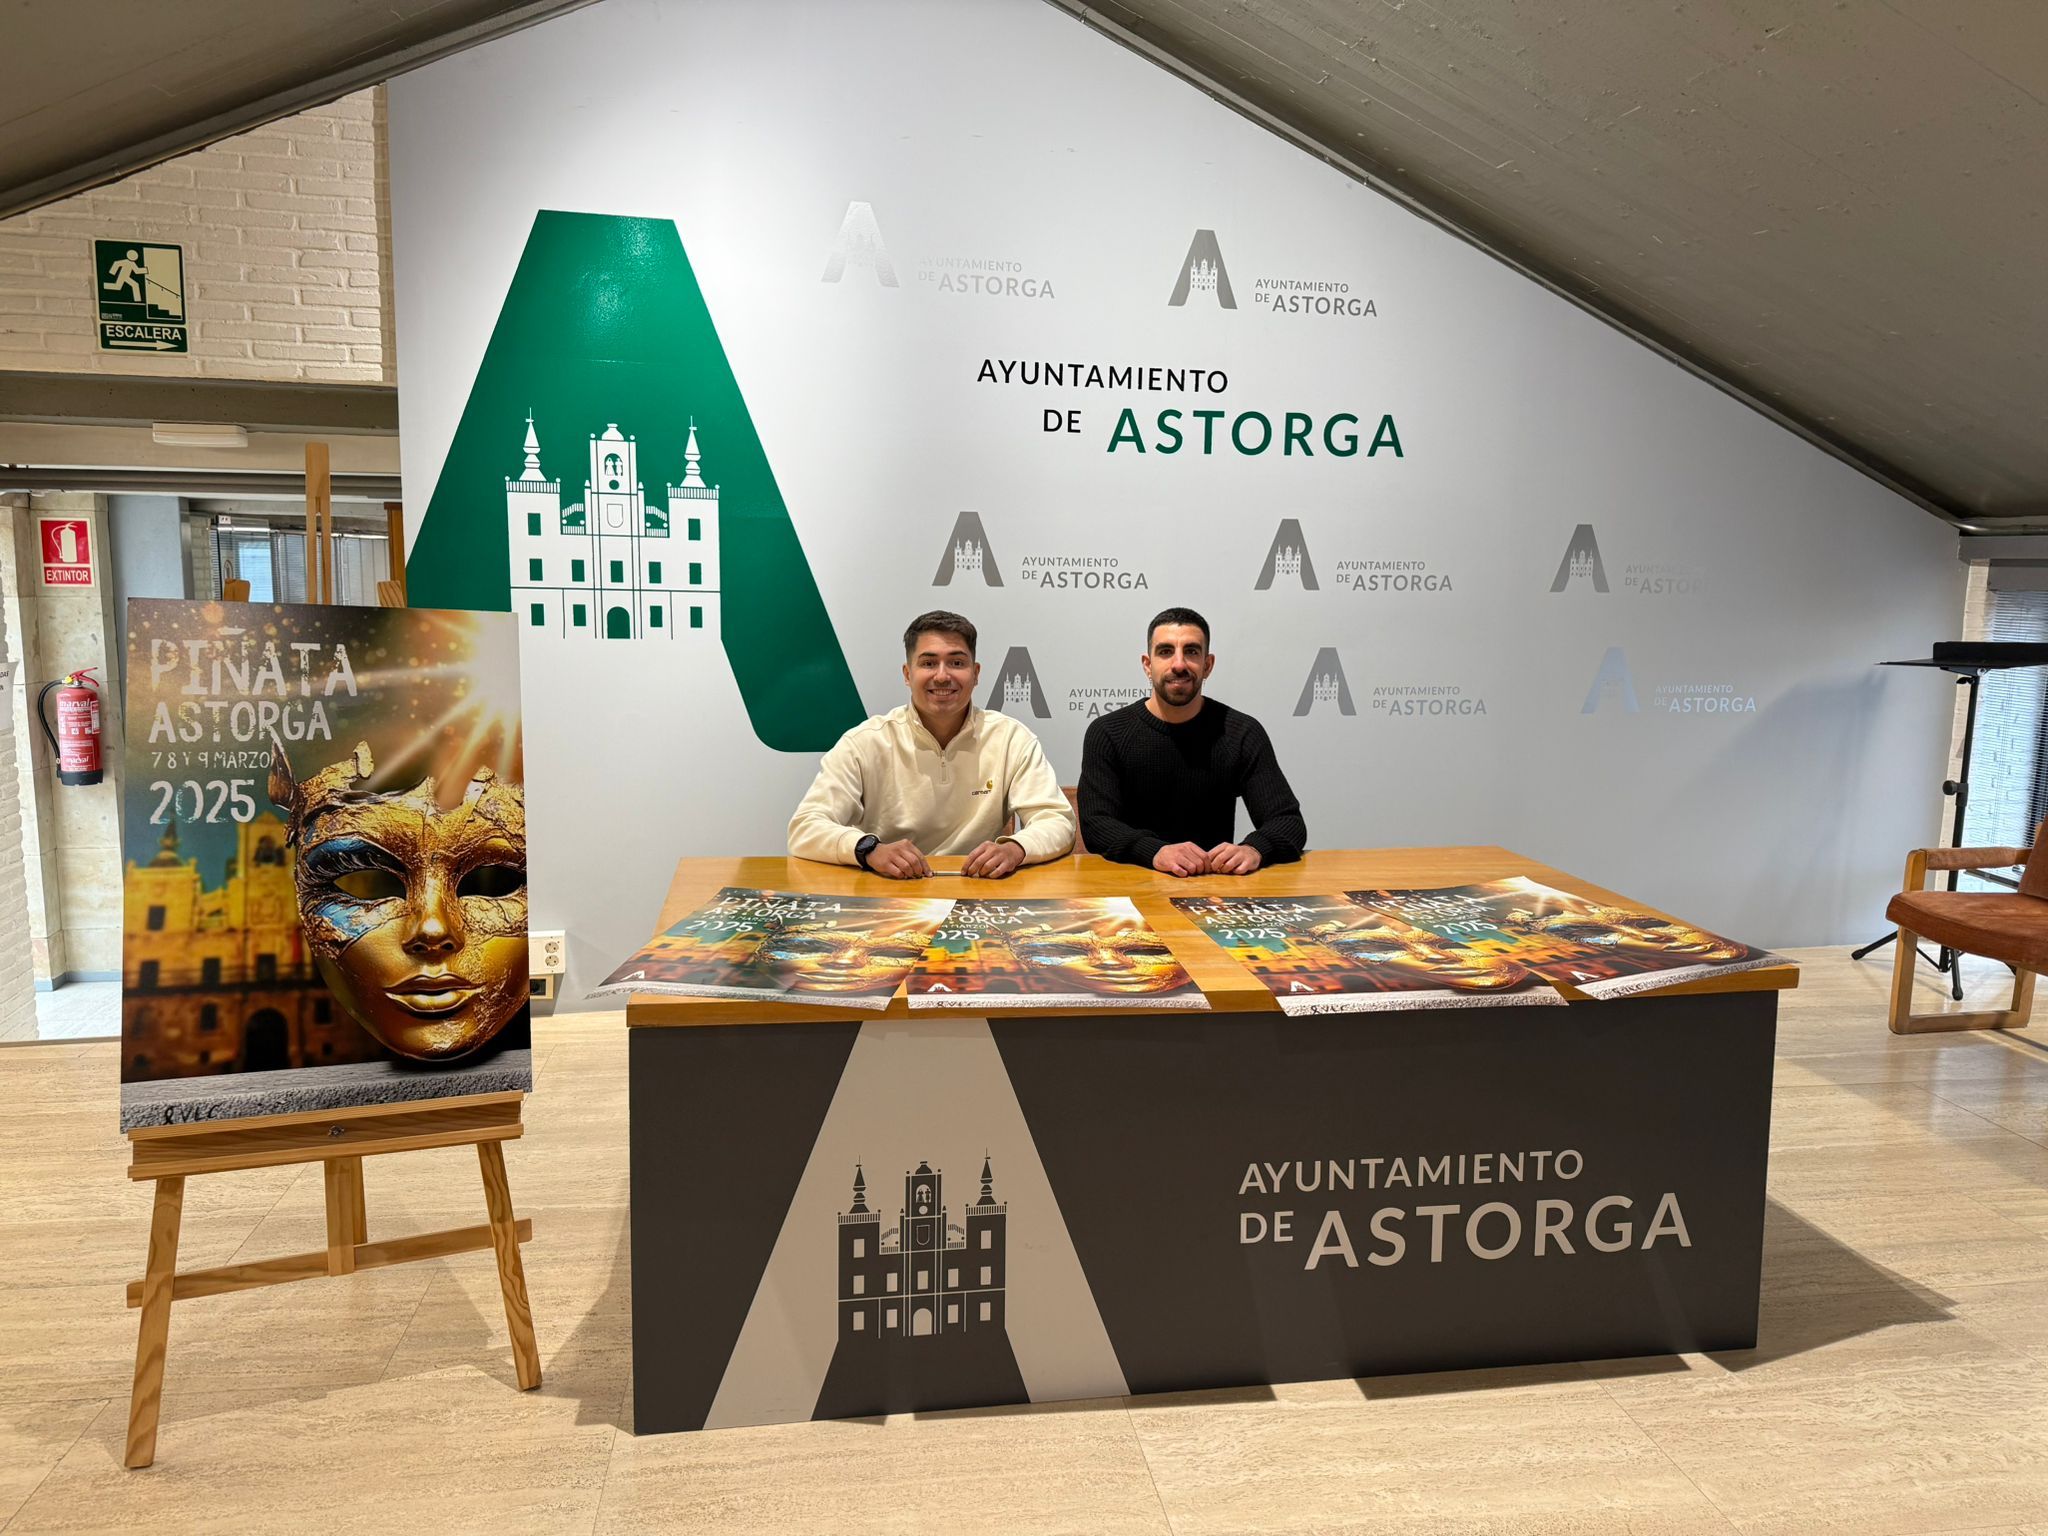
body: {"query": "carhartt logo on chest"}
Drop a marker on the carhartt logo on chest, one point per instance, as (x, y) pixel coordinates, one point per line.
(988, 788)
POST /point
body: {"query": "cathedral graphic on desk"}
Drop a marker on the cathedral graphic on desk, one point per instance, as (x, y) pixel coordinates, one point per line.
(927, 1275)
(611, 566)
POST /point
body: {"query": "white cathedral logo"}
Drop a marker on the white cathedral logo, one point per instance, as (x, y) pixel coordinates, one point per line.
(1326, 689)
(1016, 694)
(612, 566)
(967, 558)
(1203, 278)
(1288, 562)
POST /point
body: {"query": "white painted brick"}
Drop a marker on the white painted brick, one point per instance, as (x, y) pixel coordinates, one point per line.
(286, 233)
(292, 202)
(297, 314)
(299, 352)
(252, 330)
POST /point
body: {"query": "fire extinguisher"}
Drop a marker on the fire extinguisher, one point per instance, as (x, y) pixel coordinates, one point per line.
(76, 739)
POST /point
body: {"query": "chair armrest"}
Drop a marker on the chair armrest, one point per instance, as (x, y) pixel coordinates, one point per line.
(1974, 858)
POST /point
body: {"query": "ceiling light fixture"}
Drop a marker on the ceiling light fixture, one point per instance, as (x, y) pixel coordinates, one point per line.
(199, 434)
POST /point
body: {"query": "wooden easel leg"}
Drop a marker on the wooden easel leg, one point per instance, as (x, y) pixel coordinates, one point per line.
(358, 1206)
(154, 1335)
(342, 1195)
(511, 1272)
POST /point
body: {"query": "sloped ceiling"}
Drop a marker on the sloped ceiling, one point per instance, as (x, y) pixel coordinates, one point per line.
(1838, 208)
(92, 92)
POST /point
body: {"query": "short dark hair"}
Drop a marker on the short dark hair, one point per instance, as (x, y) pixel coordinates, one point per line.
(938, 622)
(1176, 616)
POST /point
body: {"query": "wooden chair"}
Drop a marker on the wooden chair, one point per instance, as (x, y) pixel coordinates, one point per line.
(2011, 926)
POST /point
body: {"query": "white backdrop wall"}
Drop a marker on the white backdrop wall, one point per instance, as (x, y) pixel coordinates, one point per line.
(1769, 774)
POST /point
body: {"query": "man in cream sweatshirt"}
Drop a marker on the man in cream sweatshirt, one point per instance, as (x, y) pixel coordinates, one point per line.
(936, 776)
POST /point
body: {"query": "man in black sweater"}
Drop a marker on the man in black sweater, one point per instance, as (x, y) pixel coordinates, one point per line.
(1160, 779)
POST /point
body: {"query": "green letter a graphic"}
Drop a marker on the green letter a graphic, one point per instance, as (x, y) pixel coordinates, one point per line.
(605, 324)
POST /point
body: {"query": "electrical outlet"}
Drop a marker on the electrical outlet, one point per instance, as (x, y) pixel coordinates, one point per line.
(548, 953)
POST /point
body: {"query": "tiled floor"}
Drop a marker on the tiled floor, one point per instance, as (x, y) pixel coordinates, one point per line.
(1900, 1385)
(79, 1010)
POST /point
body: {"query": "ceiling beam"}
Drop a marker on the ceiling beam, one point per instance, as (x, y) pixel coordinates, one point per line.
(191, 482)
(123, 400)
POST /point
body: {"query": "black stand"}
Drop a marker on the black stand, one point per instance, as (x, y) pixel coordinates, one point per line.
(1958, 788)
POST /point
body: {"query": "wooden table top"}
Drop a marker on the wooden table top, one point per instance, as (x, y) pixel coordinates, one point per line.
(1229, 987)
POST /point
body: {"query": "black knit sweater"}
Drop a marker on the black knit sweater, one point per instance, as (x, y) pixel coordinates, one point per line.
(1146, 783)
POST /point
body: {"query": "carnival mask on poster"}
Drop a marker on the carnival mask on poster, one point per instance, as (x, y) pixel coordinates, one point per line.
(817, 957)
(1415, 955)
(1620, 928)
(1114, 957)
(415, 914)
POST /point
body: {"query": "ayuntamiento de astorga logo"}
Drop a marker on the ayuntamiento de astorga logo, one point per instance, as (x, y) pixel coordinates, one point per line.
(1287, 559)
(1326, 687)
(1016, 690)
(650, 353)
(967, 554)
(1655, 578)
(1202, 274)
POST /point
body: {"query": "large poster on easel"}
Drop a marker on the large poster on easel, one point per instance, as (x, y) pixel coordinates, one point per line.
(324, 897)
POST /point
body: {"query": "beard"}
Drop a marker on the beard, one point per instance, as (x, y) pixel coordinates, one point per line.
(1177, 688)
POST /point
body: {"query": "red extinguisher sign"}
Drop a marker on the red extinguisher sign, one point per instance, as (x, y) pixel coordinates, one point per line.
(67, 551)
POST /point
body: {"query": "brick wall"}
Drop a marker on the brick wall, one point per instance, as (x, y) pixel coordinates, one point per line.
(287, 238)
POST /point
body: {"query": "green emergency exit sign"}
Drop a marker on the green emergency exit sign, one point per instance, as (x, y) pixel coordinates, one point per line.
(139, 288)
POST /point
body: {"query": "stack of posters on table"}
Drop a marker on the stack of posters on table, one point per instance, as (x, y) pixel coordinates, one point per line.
(1598, 948)
(1328, 954)
(1062, 952)
(785, 946)
(1501, 942)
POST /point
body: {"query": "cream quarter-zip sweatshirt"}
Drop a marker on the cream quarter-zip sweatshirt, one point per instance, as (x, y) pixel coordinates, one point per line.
(889, 776)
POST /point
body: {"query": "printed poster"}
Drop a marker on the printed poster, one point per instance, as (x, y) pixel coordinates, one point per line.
(1602, 950)
(785, 946)
(324, 899)
(1327, 954)
(1059, 952)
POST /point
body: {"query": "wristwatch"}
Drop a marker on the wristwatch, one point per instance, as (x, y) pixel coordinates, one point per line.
(864, 847)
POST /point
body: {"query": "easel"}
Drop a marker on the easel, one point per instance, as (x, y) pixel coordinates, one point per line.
(337, 1139)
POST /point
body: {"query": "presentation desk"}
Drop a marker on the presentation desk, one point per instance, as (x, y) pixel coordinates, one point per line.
(840, 1213)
